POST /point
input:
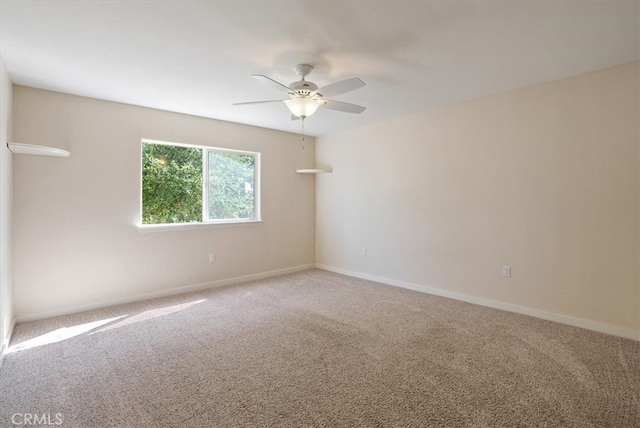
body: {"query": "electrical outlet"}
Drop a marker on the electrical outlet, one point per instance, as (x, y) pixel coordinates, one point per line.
(364, 251)
(212, 258)
(506, 271)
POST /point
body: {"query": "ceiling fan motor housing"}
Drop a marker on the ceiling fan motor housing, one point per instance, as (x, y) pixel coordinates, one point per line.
(303, 87)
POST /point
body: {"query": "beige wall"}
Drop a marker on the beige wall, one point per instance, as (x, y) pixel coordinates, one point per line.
(544, 179)
(6, 207)
(75, 240)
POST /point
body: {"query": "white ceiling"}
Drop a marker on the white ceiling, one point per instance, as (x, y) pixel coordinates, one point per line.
(196, 57)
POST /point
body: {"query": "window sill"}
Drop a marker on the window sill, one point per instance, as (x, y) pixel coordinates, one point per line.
(172, 227)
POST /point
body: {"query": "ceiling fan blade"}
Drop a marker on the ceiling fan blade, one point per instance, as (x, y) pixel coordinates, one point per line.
(341, 87)
(294, 117)
(345, 107)
(258, 102)
(269, 81)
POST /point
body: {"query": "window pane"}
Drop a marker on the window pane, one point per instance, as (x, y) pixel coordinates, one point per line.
(171, 184)
(231, 186)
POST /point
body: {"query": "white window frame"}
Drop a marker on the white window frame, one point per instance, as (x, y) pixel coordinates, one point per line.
(205, 222)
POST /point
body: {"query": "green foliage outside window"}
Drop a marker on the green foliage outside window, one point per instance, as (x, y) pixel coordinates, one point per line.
(231, 186)
(172, 184)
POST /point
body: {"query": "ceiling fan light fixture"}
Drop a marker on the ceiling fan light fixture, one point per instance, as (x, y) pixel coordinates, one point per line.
(305, 97)
(303, 107)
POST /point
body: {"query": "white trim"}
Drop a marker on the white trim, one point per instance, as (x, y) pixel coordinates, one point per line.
(205, 185)
(196, 146)
(172, 227)
(537, 313)
(162, 293)
(4, 345)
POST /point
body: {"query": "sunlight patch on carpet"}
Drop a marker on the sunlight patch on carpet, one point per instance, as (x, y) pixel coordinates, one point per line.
(149, 315)
(60, 334)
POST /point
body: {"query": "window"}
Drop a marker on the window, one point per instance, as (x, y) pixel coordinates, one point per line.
(191, 184)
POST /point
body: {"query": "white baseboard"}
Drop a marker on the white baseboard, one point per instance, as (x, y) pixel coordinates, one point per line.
(537, 313)
(161, 293)
(4, 342)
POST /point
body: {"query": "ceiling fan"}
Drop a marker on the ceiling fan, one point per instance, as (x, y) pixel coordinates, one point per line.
(305, 97)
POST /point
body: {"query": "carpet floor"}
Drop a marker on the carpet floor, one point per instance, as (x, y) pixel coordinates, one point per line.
(316, 349)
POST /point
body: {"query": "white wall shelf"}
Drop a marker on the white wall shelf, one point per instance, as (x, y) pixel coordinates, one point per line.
(314, 171)
(31, 149)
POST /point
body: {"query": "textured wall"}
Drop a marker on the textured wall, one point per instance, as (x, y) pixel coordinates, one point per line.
(544, 179)
(6, 207)
(75, 237)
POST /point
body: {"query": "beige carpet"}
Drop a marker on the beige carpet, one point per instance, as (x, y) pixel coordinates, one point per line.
(317, 349)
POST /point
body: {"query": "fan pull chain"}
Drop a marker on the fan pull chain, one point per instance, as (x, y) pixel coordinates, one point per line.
(303, 133)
